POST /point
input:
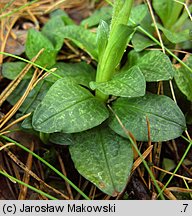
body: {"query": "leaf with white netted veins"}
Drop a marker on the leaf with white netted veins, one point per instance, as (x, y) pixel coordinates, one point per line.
(69, 108)
(183, 78)
(156, 66)
(128, 83)
(83, 38)
(165, 118)
(104, 158)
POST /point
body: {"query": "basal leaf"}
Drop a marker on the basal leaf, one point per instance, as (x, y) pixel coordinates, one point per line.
(128, 83)
(168, 11)
(103, 13)
(138, 13)
(132, 59)
(61, 138)
(81, 72)
(140, 42)
(176, 37)
(54, 24)
(27, 123)
(104, 158)
(34, 97)
(11, 70)
(83, 38)
(165, 118)
(183, 78)
(65, 17)
(143, 18)
(69, 108)
(156, 66)
(35, 42)
(163, 9)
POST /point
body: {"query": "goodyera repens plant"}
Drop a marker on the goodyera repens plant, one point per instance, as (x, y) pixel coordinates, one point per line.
(91, 113)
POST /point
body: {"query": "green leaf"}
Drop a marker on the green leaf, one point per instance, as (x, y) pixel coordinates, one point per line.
(156, 66)
(81, 72)
(141, 42)
(163, 9)
(82, 37)
(48, 30)
(165, 118)
(168, 165)
(104, 158)
(132, 59)
(168, 11)
(138, 13)
(128, 83)
(62, 138)
(65, 17)
(69, 108)
(143, 18)
(27, 123)
(103, 13)
(11, 70)
(183, 78)
(176, 37)
(35, 42)
(102, 37)
(34, 97)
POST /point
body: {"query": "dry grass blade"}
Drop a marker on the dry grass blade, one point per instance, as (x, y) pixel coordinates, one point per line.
(107, 197)
(166, 192)
(10, 88)
(136, 164)
(92, 192)
(6, 145)
(155, 24)
(55, 5)
(65, 173)
(180, 190)
(34, 19)
(4, 39)
(37, 7)
(22, 165)
(82, 189)
(26, 176)
(157, 156)
(139, 160)
(186, 7)
(17, 105)
(14, 122)
(30, 86)
(170, 173)
(150, 154)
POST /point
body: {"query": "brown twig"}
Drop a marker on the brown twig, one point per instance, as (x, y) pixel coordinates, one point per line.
(22, 165)
(65, 173)
(26, 176)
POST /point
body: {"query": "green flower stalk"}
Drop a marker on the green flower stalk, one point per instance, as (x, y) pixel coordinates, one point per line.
(116, 44)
